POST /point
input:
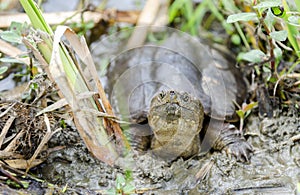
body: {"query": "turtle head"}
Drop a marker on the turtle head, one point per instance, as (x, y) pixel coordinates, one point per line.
(171, 105)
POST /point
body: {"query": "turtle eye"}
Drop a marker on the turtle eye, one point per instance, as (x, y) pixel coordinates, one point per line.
(185, 97)
(162, 94)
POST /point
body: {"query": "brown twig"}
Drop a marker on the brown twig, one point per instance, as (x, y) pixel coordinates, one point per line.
(146, 18)
(12, 51)
(202, 173)
(44, 141)
(6, 128)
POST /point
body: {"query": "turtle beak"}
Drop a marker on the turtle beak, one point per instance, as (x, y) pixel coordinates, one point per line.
(172, 109)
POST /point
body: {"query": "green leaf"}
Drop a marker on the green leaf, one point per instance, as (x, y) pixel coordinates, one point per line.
(294, 20)
(120, 181)
(229, 6)
(278, 53)
(175, 8)
(247, 113)
(279, 35)
(235, 39)
(270, 20)
(129, 189)
(254, 56)
(293, 31)
(240, 113)
(3, 69)
(110, 192)
(11, 60)
(35, 16)
(25, 184)
(11, 37)
(249, 106)
(34, 86)
(128, 175)
(17, 27)
(241, 17)
(267, 4)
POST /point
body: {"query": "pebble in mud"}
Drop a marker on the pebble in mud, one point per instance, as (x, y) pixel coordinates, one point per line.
(103, 182)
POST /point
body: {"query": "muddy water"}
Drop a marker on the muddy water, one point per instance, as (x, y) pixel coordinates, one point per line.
(273, 168)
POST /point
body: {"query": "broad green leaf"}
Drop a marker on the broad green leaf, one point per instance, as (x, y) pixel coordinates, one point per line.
(241, 17)
(267, 4)
(16, 27)
(279, 35)
(3, 69)
(254, 56)
(11, 37)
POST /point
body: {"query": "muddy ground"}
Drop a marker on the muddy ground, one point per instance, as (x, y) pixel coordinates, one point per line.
(273, 167)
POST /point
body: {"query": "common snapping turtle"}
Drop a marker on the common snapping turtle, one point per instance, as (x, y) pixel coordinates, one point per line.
(181, 88)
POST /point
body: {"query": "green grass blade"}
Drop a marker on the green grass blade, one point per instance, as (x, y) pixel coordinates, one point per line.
(35, 16)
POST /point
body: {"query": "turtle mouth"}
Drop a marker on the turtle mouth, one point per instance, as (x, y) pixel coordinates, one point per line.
(173, 112)
(173, 109)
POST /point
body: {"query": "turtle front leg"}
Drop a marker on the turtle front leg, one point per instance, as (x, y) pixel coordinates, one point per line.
(226, 137)
(231, 140)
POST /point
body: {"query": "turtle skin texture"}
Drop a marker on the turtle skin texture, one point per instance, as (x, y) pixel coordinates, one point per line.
(176, 119)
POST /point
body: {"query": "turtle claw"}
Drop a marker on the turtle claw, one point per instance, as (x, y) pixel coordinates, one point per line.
(241, 150)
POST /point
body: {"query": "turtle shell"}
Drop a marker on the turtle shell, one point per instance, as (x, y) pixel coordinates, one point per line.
(179, 62)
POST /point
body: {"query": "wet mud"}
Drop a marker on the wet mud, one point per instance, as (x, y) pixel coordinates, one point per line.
(273, 167)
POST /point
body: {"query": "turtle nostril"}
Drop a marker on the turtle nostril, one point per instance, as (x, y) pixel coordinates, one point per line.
(172, 92)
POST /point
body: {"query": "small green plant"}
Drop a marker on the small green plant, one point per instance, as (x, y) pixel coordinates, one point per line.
(17, 184)
(123, 185)
(82, 27)
(244, 112)
(13, 35)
